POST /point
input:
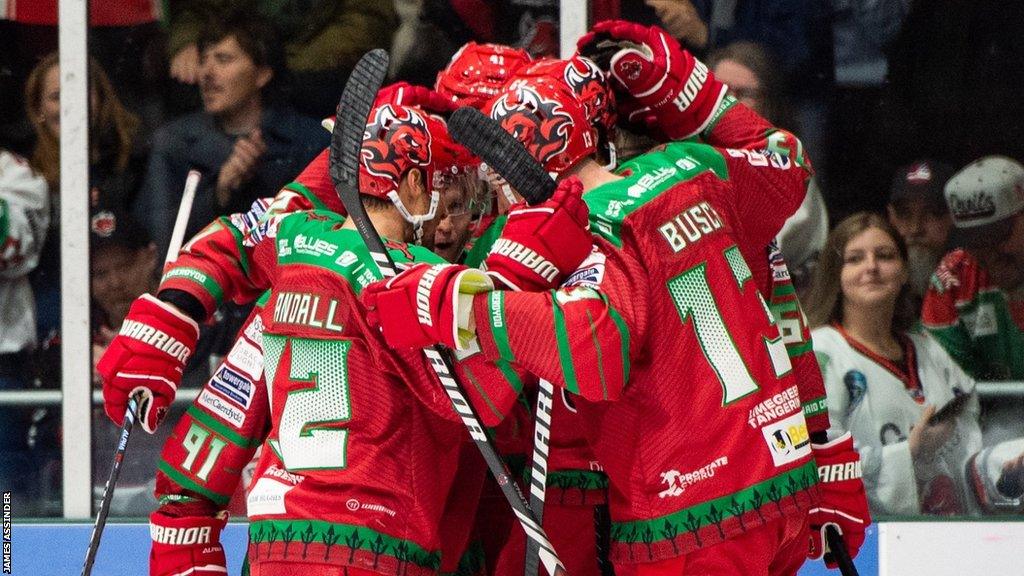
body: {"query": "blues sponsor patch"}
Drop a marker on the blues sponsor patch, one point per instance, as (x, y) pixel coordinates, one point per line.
(233, 385)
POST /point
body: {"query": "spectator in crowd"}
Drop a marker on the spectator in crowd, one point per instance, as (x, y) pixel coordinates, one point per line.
(323, 40)
(125, 37)
(117, 156)
(24, 215)
(917, 210)
(245, 145)
(886, 382)
(974, 305)
(754, 79)
(122, 265)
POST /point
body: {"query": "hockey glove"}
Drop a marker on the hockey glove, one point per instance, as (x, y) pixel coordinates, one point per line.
(660, 86)
(425, 305)
(187, 545)
(843, 501)
(542, 244)
(147, 357)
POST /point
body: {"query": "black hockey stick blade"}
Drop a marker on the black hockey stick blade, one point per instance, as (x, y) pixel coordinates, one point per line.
(502, 152)
(837, 548)
(354, 108)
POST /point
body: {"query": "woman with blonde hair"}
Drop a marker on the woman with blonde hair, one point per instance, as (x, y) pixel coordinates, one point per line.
(912, 411)
(115, 158)
(117, 162)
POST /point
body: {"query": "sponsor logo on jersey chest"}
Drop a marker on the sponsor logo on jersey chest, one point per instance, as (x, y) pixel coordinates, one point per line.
(222, 408)
(233, 385)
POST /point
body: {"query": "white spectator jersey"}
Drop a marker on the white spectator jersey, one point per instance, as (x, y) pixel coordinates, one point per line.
(24, 216)
(879, 401)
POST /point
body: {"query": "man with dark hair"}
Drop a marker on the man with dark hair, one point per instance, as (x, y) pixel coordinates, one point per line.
(246, 146)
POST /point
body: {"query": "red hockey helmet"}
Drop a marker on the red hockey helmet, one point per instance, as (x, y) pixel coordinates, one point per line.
(589, 83)
(478, 71)
(400, 138)
(548, 118)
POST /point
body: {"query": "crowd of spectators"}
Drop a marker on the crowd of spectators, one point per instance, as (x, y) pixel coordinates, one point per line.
(908, 108)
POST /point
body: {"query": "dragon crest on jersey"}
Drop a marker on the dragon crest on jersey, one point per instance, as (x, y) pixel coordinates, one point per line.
(410, 140)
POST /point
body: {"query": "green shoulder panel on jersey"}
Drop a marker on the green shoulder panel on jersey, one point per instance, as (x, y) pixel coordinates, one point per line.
(645, 177)
(482, 244)
(316, 238)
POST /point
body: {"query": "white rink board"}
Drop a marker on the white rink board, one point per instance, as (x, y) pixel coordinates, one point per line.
(951, 548)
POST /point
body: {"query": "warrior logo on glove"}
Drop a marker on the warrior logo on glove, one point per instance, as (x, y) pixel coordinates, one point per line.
(409, 140)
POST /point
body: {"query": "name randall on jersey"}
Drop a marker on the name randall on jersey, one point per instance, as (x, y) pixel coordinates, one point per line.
(304, 309)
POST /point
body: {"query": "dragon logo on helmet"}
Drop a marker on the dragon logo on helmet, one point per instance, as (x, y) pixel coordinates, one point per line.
(541, 124)
(395, 139)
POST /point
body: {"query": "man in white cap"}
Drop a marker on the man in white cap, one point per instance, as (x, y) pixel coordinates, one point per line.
(975, 303)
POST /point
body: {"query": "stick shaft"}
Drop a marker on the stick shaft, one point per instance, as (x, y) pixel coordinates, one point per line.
(184, 210)
(130, 415)
(838, 548)
(108, 490)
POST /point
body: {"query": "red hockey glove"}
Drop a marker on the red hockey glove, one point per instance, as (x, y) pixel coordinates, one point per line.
(659, 85)
(187, 545)
(843, 502)
(147, 357)
(421, 306)
(542, 244)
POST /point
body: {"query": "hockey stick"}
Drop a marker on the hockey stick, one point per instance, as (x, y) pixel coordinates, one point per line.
(838, 549)
(346, 144)
(128, 423)
(507, 156)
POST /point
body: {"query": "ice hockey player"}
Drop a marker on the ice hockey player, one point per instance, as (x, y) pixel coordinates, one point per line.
(707, 449)
(230, 280)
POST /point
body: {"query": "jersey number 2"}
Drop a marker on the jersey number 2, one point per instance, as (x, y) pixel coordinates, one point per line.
(308, 435)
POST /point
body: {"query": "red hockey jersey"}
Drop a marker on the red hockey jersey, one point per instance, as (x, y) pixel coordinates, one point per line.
(708, 438)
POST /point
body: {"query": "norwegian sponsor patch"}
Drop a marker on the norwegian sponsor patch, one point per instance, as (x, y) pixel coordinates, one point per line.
(247, 358)
(233, 385)
(788, 439)
(227, 411)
